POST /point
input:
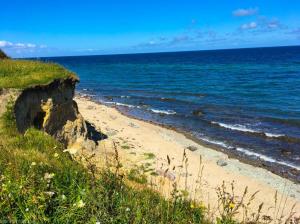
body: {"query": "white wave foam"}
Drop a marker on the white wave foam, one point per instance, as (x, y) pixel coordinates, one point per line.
(266, 158)
(125, 105)
(250, 153)
(168, 112)
(120, 104)
(215, 142)
(243, 128)
(271, 135)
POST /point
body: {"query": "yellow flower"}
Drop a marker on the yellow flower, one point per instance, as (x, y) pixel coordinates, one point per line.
(202, 206)
(192, 205)
(80, 204)
(231, 205)
(33, 163)
(56, 155)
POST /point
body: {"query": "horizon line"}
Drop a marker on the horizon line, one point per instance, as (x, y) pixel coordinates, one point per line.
(161, 52)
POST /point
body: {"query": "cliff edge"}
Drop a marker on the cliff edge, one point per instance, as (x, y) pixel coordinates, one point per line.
(43, 98)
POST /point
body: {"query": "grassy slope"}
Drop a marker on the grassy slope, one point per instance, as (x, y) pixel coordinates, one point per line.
(42, 184)
(21, 73)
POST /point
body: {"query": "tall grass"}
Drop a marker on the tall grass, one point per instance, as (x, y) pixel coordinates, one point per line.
(39, 183)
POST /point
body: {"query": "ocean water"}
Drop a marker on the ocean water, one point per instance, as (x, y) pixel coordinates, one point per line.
(244, 101)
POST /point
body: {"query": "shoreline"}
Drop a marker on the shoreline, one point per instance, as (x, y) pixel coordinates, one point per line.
(257, 163)
(141, 137)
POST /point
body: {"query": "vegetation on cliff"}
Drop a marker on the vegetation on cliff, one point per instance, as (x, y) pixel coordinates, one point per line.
(22, 74)
(3, 55)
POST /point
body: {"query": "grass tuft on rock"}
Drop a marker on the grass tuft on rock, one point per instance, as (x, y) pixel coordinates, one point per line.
(22, 74)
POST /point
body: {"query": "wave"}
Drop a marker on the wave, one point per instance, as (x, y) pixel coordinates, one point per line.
(168, 112)
(121, 104)
(266, 158)
(243, 128)
(250, 153)
(157, 111)
(215, 142)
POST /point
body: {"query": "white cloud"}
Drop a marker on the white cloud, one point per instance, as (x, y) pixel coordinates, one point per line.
(4, 44)
(248, 26)
(245, 12)
(9, 45)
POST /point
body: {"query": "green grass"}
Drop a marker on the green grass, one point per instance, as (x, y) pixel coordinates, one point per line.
(39, 183)
(22, 73)
(149, 155)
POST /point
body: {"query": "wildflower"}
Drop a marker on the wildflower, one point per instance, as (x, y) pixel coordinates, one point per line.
(63, 197)
(192, 205)
(56, 155)
(80, 204)
(202, 206)
(27, 209)
(50, 193)
(127, 209)
(49, 176)
(33, 164)
(231, 205)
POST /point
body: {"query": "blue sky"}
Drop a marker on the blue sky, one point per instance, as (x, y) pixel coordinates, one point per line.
(57, 28)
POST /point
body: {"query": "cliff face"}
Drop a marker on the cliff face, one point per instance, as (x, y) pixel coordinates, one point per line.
(52, 109)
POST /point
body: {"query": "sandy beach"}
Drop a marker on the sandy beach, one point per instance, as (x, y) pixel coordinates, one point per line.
(141, 143)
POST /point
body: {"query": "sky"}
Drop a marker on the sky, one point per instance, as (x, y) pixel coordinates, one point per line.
(37, 28)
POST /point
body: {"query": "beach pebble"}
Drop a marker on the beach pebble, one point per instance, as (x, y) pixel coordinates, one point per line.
(222, 162)
(192, 148)
(113, 117)
(133, 125)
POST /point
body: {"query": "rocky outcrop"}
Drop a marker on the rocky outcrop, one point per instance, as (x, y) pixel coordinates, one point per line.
(52, 109)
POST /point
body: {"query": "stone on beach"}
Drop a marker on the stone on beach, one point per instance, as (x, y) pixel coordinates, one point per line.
(192, 148)
(222, 162)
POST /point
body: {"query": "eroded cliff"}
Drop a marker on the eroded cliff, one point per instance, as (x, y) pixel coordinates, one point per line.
(51, 108)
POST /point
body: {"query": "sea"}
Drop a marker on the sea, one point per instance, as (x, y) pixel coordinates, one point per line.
(244, 102)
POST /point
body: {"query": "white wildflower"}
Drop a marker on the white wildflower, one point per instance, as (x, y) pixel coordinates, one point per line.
(56, 155)
(27, 209)
(127, 209)
(50, 193)
(48, 176)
